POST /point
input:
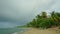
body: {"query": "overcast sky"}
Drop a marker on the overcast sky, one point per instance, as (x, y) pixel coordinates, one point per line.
(19, 12)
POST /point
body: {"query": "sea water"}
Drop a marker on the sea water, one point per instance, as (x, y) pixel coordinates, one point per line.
(12, 30)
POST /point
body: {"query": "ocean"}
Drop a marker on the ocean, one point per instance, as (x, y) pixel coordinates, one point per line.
(12, 30)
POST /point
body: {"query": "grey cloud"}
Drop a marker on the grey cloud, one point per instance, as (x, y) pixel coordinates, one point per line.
(20, 11)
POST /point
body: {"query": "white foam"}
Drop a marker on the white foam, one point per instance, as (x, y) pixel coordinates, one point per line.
(15, 33)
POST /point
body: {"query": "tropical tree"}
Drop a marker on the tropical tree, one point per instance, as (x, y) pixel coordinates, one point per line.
(41, 21)
(55, 17)
(44, 15)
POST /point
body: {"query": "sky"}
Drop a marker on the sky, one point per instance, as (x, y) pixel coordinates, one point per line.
(19, 12)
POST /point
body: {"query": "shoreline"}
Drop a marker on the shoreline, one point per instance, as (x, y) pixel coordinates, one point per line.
(20, 32)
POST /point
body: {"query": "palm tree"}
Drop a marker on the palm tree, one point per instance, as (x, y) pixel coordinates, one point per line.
(52, 14)
(44, 15)
(55, 17)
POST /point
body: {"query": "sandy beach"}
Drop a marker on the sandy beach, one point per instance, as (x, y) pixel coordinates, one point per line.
(41, 31)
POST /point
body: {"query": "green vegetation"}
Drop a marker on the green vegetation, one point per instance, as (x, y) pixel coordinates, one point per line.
(45, 21)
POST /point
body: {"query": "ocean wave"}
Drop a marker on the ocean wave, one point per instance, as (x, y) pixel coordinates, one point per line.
(15, 33)
(18, 32)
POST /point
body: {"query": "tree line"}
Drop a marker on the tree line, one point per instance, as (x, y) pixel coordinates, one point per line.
(44, 21)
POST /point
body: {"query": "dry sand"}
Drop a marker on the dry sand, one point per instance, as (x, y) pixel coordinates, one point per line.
(45, 31)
